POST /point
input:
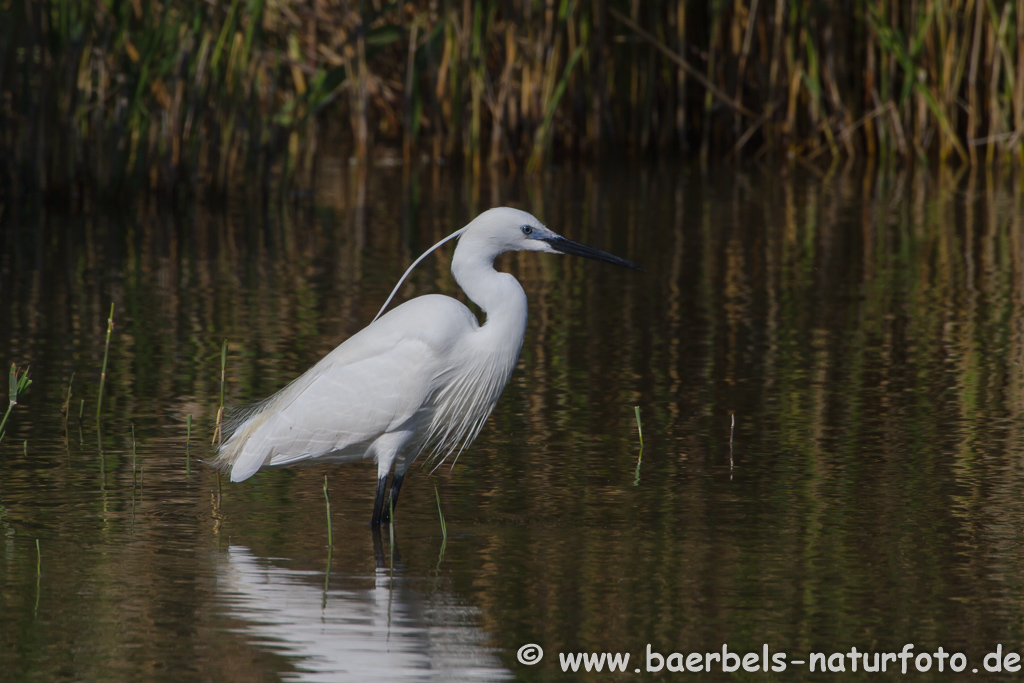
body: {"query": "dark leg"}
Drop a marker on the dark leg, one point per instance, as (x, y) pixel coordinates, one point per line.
(392, 503)
(378, 502)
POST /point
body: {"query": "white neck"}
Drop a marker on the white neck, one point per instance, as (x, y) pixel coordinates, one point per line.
(499, 294)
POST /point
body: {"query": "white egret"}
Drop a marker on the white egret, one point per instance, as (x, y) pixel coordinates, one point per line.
(425, 376)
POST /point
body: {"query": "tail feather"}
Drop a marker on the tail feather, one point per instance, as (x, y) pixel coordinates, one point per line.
(240, 424)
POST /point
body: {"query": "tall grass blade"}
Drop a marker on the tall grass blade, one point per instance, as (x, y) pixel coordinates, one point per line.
(544, 132)
(330, 531)
(106, 355)
(639, 427)
(65, 409)
(444, 530)
(732, 432)
(440, 514)
(188, 441)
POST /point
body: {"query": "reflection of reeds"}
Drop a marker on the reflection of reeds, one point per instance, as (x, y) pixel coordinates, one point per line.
(165, 95)
(39, 576)
(188, 444)
(134, 458)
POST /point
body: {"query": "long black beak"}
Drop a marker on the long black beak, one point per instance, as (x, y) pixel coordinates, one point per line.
(559, 243)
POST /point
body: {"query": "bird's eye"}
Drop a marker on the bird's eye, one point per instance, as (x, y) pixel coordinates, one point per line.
(527, 230)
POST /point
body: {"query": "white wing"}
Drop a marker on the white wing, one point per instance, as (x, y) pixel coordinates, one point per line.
(378, 381)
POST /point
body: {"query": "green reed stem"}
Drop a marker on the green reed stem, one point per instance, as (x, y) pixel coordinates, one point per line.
(106, 355)
(330, 531)
(543, 137)
(66, 408)
(639, 427)
(18, 383)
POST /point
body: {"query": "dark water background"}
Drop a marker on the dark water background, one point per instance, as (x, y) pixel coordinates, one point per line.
(865, 330)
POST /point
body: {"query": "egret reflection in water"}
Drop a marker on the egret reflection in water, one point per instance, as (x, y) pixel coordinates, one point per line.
(374, 628)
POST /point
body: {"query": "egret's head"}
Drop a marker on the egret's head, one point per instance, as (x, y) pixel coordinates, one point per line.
(506, 229)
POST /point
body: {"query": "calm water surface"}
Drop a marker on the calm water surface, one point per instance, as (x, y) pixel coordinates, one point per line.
(864, 331)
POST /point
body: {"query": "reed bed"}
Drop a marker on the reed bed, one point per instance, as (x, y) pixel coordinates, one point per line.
(160, 94)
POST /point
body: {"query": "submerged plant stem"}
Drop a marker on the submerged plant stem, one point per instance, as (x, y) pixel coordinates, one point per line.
(640, 455)
(444, 530)
(188, 441)
(39, 575)
(440, 514)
